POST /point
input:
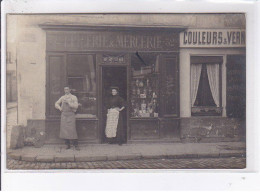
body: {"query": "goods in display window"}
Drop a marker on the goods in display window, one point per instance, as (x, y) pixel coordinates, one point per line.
(144, 94)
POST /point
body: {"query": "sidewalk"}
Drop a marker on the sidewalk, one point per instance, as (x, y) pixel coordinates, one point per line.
(105, 152)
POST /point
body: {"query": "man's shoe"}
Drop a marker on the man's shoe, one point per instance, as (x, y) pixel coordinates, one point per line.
(77, 148)
(68, 147)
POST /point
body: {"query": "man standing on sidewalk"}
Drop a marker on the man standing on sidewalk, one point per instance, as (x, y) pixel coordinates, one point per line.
(68, 105)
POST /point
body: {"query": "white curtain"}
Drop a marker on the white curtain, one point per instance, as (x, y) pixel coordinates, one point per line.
(195, 79)
(213, 75)
(91, 75)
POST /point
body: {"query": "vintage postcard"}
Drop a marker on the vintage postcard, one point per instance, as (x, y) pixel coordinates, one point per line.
(131, 91)
(128, 91)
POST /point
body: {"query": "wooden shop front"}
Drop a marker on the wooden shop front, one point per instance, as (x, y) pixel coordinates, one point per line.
(143, 61)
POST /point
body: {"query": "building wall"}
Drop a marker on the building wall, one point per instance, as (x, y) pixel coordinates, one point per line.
(11, 90)
(11, 86)
(31, 73)
(28, 40)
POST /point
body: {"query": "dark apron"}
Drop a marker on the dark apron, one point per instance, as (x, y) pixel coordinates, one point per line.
(67, 123)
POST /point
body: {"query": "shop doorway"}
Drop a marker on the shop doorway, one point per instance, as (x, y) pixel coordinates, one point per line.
(114, 76)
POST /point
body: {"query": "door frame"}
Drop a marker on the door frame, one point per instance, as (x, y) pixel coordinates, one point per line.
(100, 67)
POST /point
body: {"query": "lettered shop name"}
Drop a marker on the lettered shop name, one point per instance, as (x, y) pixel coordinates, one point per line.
(213, 38)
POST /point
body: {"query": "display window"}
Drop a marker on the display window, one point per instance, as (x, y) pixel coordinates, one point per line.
(206, 85)
(144, 85)
(81, 78)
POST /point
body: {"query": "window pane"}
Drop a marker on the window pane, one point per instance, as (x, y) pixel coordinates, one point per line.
(170, 86)
(204, 95)
(145, 85)
(56, 82)
(205, 89)
(82, 80)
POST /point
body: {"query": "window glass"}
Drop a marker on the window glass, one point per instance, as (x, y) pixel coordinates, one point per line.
(205, 86)
(169, 86)
(145, 85)
(204, 95)
(81, 78)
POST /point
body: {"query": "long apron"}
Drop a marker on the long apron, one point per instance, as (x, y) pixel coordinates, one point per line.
(112, 123)
(67, 123)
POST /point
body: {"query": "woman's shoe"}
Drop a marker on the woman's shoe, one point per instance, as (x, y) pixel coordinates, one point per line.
(68, 147)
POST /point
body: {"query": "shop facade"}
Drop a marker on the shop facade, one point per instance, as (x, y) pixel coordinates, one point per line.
(142, 61)
(181, 81)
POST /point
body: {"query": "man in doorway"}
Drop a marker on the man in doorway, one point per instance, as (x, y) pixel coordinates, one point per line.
(68, 105)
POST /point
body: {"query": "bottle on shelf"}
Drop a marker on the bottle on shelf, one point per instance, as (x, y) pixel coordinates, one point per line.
(145, 92)
(137, 82)
(143, 105)
(154, 95)
(136, 110)
(147, 83)
(150, 90)
(141, 84)
(138, 92)
(134, 91)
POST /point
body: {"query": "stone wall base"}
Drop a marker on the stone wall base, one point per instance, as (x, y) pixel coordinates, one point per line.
(192, 129)
(212, 129)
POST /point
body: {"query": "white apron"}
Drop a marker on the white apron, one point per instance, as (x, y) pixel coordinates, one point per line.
(112, 122)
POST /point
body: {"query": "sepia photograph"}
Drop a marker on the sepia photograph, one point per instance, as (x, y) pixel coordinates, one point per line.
(126, 91)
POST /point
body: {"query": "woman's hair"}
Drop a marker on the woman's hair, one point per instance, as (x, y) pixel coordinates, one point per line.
(114, 88)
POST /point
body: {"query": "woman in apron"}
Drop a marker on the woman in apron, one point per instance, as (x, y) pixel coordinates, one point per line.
(69, 105)
(114, 125)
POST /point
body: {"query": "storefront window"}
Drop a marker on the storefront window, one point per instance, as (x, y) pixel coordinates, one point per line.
(169, 86)
(205, 85)
(145, 85)
(81, 78)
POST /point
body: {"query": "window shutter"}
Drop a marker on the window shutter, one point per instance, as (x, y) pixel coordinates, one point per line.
(236, 86)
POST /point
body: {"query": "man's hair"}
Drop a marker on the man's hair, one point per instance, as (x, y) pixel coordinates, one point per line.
(66, 87)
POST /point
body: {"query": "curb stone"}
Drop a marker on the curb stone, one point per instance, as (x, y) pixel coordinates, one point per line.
(15, 156)
(216, 155)
(90, 158)
(188, 156)
(28, 158)
(129, 157)
(154, 156)
(64, 158)
(226, 155)
(43, 158)
(111, 157)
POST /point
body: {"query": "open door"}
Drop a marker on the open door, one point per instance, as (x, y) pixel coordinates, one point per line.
(113, 76)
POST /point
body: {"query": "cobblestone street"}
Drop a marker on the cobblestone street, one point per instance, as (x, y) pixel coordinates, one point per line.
(205, 163)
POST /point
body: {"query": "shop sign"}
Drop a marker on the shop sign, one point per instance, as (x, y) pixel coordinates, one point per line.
(123, 41)
(213, 38)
